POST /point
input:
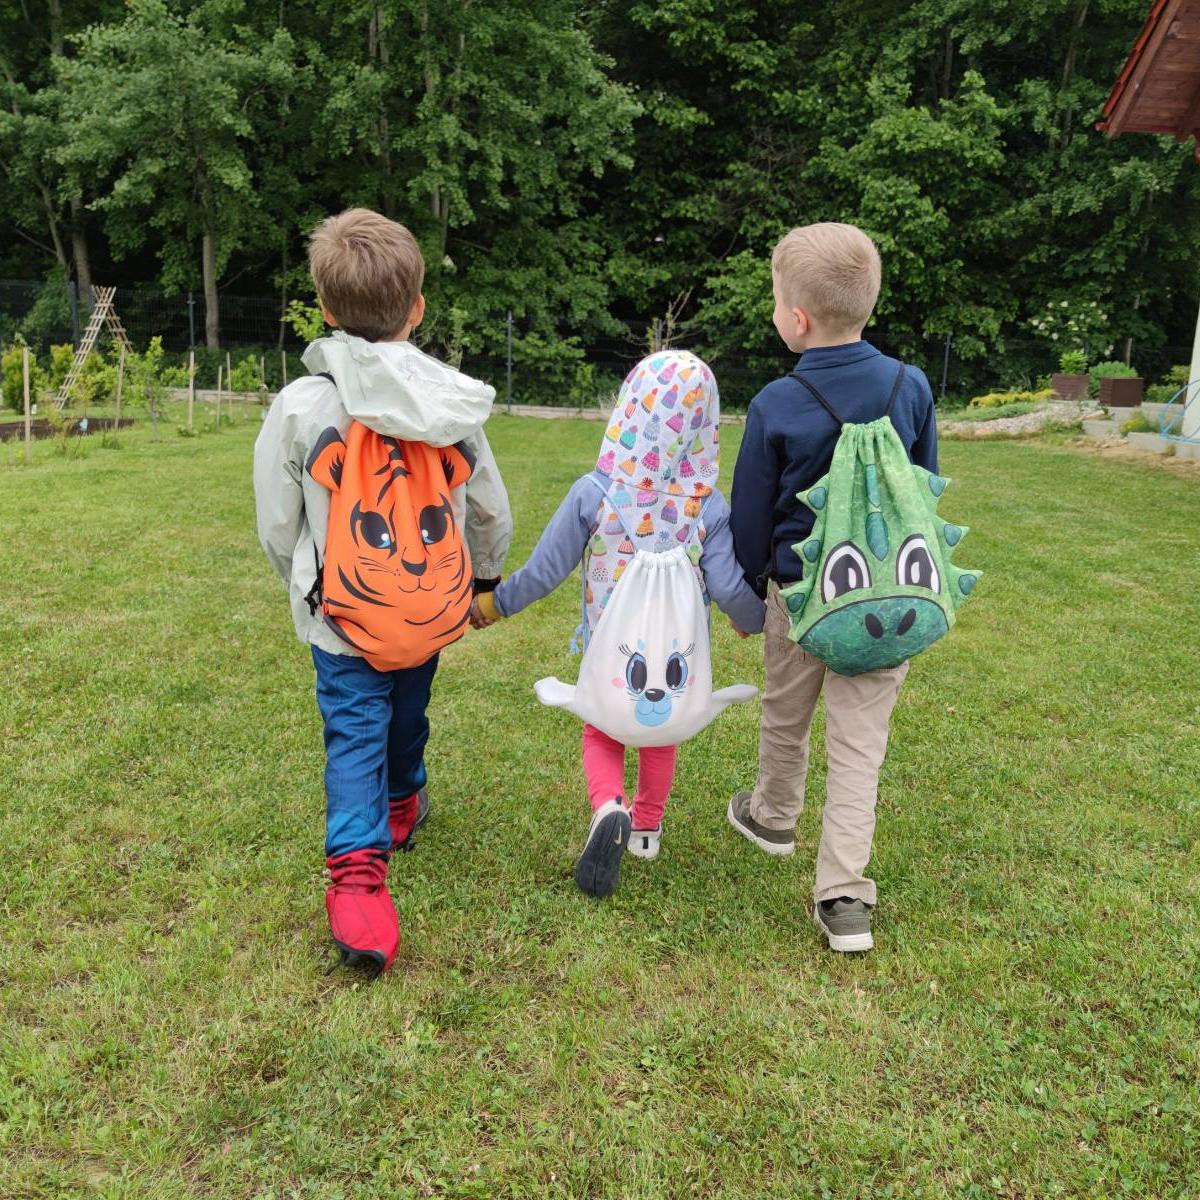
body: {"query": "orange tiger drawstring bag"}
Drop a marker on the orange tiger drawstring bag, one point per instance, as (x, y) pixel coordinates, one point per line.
(396, 583)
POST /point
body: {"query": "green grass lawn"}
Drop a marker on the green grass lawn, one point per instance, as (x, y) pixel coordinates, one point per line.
(1026, 1027)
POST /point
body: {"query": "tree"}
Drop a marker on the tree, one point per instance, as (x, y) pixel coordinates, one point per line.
(155, 105)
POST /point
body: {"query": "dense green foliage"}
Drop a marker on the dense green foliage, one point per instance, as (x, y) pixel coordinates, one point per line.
(595, 168)
(1025, 1028)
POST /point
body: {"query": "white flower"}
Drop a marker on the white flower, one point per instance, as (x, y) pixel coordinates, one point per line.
(1064, 304)
(1054, 337)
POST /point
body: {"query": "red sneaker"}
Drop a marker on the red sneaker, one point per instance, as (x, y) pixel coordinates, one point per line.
(362, 916)
(406, 816)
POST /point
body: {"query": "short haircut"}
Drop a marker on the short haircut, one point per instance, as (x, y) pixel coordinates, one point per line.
(368, 272)
(830, 270)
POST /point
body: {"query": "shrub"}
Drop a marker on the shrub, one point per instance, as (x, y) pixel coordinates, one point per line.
(1108, 370)
(999, 399)
(306, 320)
(1161, 393)
(1139, 423)
(14, 383)
(1072, 362)
(246, 376)
(1178, 376)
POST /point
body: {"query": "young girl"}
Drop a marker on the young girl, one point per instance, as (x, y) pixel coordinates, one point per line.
(653, 484)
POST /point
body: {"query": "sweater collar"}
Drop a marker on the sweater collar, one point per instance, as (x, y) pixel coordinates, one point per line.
(820, 357)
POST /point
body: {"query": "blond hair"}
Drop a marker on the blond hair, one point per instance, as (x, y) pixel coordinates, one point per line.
(368, 272)
(830, 270)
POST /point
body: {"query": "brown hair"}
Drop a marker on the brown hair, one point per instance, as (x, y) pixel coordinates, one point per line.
(368, 272)
(832, 271)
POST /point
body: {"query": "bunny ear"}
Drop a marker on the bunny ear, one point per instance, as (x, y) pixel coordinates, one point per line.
(327, 458)
(554, 693)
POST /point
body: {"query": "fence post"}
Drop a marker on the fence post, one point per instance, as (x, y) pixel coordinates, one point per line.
(508, 366)
(283, 366)
(945, 368)
(191, 386)
(28, 423)
(191, 321)
(120, 389)
(218, 422)
(73, 297)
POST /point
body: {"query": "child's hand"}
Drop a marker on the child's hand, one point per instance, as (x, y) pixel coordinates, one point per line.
(740, 632)
(477, 619)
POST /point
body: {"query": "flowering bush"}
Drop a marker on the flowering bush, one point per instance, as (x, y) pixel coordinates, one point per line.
(1075, 325)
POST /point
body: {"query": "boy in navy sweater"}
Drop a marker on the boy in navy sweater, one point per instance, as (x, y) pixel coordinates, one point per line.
(826, 281)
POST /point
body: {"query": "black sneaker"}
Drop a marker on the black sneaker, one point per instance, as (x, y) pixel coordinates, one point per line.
(599, 866)
(846, 924)
(778, 842)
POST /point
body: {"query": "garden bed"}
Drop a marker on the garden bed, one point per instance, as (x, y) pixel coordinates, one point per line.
(40, 427)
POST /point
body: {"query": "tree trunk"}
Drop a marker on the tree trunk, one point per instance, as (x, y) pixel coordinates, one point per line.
(208, 267)
(947, 65)
(52, 220)
(79, 246)
(283, 295)
(1066, 114)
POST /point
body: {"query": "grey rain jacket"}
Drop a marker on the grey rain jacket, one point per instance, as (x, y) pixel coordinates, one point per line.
(398, 391)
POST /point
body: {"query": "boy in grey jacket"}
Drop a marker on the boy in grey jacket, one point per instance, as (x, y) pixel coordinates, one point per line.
(368, 273)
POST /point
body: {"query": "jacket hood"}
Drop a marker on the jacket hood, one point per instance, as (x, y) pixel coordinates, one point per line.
(663, 435)
(401, 392)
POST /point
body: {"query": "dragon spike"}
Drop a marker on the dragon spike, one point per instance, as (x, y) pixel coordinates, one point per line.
(816, 496)
(953, 534)
(961, 584)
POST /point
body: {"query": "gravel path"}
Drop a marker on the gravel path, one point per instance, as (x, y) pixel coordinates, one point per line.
(1059, 412)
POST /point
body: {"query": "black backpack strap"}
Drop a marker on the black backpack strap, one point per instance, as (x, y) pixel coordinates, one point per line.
(812, 387)
(325, 375)
(887, 412)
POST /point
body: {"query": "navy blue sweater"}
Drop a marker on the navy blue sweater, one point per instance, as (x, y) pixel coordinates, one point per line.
(788, 445)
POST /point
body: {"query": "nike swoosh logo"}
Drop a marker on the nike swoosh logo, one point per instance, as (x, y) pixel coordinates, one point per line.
(619, 836)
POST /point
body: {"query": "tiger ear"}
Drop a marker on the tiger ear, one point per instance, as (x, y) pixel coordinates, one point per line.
(327, 458)
(458, 462)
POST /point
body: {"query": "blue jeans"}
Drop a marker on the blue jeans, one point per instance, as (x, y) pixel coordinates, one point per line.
(375, 735)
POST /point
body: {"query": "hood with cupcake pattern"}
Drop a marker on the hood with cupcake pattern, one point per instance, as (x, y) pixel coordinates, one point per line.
(661, 455)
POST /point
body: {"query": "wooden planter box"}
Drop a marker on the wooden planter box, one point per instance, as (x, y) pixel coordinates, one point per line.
(1069, 387)
(1122, 393)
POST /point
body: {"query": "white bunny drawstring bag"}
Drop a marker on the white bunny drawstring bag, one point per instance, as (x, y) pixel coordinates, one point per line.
(646, 674)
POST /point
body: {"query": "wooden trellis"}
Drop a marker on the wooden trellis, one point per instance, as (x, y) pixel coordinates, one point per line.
(104, 316)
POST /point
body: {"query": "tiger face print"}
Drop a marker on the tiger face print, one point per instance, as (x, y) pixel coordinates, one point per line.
(396, 584)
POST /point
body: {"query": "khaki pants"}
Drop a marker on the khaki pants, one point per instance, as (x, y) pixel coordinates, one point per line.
(857, 712)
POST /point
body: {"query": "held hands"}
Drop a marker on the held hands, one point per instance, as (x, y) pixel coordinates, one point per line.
(740, 632)
(477, 619)
(483, 608)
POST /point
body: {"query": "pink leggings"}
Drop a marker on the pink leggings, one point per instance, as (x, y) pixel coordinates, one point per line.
(604, 769)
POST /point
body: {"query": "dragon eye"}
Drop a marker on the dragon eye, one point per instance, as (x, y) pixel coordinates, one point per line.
(846, 570)
(370, 527)
(915, 566)
(635, 673)
(434, 522)
(677, 671)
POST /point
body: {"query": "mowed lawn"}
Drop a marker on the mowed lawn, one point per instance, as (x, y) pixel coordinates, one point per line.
(1026, 1027)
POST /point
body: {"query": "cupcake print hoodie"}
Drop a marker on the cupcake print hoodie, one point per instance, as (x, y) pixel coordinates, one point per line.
(653, 487)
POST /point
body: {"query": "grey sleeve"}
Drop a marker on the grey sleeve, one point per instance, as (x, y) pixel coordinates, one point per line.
(278, 495)
(488, 525)
(723, 576)
(557, 553)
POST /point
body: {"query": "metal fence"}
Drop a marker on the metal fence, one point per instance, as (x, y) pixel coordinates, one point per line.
(515, 362)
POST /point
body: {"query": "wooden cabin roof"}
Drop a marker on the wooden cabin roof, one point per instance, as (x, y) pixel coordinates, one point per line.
(1158, 90)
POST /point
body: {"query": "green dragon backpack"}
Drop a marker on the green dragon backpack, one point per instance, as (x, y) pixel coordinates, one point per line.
(878, 585)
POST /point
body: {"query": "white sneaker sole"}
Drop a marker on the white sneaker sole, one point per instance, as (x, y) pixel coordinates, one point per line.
(774, 849)
(844, 943)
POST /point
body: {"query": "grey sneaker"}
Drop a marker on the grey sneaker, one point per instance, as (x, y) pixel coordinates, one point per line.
(599, 866)
(845, 923)
(778, 842)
